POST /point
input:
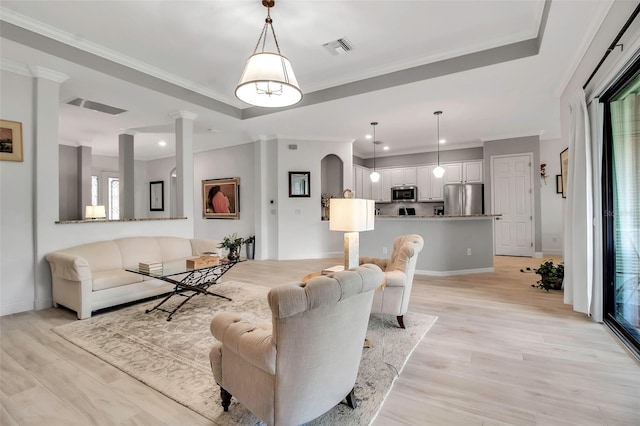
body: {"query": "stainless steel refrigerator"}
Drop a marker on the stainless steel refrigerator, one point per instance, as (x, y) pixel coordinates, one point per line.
(464, 199)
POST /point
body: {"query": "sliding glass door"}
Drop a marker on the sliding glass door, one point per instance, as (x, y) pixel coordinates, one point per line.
(622, 207)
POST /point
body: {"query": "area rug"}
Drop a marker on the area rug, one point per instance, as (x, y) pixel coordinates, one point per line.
(173, 356)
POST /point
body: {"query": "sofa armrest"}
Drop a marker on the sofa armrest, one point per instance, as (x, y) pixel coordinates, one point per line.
(381, 263)
(395, 278)
(251, 342)
(69, 266)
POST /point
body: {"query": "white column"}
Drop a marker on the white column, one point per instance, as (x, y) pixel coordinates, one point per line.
(184, 162)
(46, 153)
(126, 175)
(84, 175)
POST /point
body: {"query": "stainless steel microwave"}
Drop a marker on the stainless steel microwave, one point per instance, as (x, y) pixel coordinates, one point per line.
(406, 193)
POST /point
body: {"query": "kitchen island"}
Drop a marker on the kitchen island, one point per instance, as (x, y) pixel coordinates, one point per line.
(453, 245)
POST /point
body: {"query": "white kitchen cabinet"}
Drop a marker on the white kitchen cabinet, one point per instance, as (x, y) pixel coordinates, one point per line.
(381, 191)
(452, 173)
(472, 172)
(361, 182)
(403, 176)
(429, 186)
(465, 172)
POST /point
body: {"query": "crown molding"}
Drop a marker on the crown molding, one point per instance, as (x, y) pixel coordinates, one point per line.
(47, 74)
(46, 30)
(15, 67)
(183, 114)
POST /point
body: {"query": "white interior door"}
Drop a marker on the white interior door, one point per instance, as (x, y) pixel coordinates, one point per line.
(511, 196)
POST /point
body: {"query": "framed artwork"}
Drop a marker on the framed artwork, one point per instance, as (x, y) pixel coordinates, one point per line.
(299, 183)
(10, 140)
(221, 198)
(559, 184)
(564, 169)
(156, 196)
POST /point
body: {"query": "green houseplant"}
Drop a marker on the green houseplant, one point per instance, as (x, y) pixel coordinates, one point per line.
(232, 243)
(551, 276)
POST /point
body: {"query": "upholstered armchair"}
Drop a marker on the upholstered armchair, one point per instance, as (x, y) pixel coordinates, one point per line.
(398, 273)
(305, 361)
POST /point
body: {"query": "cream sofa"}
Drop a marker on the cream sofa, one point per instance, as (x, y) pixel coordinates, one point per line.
(92, 276)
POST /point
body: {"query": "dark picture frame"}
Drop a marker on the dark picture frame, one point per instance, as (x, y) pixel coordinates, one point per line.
(221, 198)
(564, 170)
(156, 196)
(11, 141)
(559, 184)
(299, 184)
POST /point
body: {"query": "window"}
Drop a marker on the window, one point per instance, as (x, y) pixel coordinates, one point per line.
(622, 207)
(94, 190)
(114, 198)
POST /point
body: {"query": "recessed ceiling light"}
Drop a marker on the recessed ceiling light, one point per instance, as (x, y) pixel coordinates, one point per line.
(368, 136)
(162, 143)
(386, 148)
(443, 141)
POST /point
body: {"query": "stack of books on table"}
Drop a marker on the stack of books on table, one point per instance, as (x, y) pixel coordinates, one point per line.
(150, 267)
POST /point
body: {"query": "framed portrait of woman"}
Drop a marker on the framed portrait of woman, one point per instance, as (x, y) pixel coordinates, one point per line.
(221, 198)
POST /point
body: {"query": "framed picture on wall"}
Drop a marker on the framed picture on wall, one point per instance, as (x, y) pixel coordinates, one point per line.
(299, 183)
(10, 140)
(559, 184)
(564, 169)
(221, 198)
(156, 196)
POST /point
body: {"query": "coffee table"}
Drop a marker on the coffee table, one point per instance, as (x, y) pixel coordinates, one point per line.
(188, 282)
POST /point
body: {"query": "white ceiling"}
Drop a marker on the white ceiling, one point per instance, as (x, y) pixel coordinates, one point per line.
(202, 46)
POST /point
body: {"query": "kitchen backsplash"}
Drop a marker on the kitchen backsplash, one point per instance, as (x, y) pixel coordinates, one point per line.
(422, 209)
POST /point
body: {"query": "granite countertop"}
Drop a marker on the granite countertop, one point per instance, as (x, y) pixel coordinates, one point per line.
(120, 220)
(446, 216)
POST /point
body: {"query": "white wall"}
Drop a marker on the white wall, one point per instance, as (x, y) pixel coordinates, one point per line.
(16, 201)
(235, 161)
(301, 232)
(160, 170)
(552, 218)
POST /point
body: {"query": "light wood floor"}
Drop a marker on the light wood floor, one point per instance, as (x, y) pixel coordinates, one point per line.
(501, 353)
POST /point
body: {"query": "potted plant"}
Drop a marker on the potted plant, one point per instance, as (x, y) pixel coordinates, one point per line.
(551, 276)
(250, 246)
(232, 243)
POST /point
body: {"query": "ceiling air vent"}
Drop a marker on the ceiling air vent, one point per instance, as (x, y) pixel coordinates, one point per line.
(96, 106)
(339, 46)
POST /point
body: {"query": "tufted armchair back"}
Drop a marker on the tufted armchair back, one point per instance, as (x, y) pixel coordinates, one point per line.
(306, 361)
(399, 270)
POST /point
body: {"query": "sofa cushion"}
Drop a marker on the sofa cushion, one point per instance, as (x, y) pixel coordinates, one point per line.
(101, 256)
(201, 246)
(139, 249)
(173, 248)
(114, 278)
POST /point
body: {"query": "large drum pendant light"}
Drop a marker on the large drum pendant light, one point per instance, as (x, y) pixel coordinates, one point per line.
(268, 79)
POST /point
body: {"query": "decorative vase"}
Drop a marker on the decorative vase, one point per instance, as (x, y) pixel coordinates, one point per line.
(233, 254)
(250, 248)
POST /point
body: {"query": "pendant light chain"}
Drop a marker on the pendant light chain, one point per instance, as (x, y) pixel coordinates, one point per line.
(438, 139)
(268, 22)
(374, 145)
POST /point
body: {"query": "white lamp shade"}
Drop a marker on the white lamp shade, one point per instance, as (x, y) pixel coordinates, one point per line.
(94, 212)
(268, 81)
(438, 172)
(351, 214)
(374, 176)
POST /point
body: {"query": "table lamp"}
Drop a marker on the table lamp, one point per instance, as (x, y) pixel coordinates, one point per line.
(94, 212)
(351, 215)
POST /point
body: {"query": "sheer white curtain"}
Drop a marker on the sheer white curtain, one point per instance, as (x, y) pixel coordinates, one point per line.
(579, 231)
(596, 118)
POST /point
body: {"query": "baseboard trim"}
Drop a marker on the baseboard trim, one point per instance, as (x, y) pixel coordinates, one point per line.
(538, 255)
(17, 307)
(552, 251)
(452, 273)
(43, 304)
